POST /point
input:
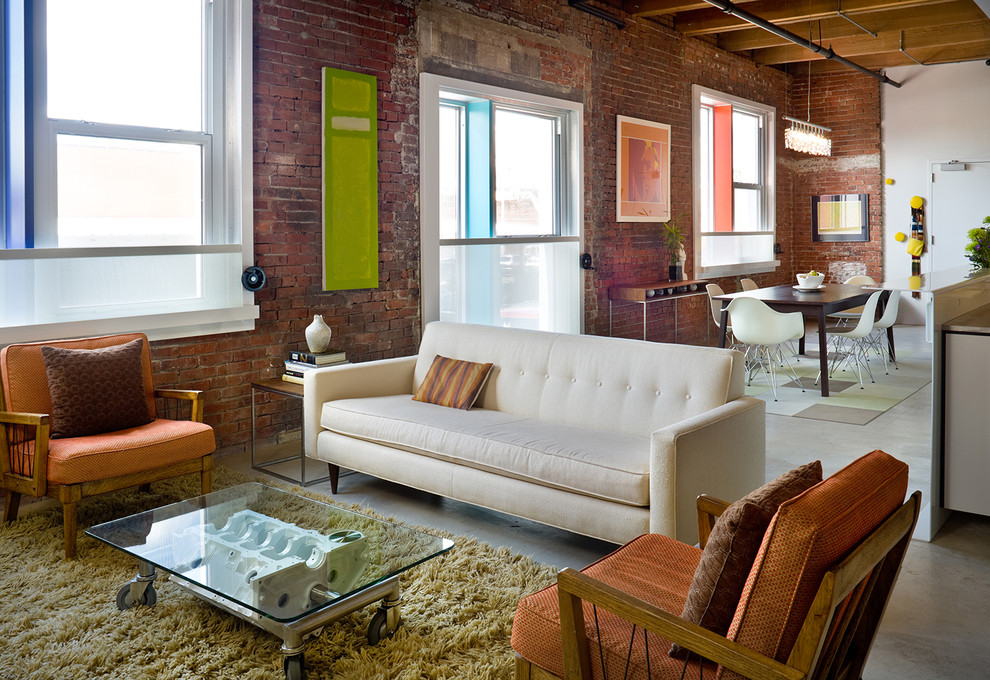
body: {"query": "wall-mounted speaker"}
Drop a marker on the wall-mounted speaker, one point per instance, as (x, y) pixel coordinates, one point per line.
(253, 279)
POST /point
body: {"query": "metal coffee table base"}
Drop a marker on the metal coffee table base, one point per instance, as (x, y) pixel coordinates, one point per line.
(141, 592)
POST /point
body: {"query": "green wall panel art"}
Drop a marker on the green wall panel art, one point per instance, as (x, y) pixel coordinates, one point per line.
(350, 180)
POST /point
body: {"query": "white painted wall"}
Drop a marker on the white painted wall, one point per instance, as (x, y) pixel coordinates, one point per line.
(940, 113)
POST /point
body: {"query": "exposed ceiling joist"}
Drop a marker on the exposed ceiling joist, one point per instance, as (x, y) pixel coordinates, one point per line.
(878, 34)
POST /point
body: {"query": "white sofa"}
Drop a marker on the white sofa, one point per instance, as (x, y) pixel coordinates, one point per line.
(605, 437)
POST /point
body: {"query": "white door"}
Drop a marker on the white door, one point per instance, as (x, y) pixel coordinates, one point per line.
(958, 203)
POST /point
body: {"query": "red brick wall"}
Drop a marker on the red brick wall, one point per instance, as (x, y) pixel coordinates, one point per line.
(645, 70)
(849, 103)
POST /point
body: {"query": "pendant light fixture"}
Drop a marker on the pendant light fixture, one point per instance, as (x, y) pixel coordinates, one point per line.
(808, 137)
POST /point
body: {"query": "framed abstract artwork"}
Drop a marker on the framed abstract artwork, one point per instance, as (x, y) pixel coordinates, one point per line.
(350, 180)
(840, 217)
(642, 170)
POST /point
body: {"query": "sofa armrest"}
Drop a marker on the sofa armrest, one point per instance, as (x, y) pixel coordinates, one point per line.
(721, 452)
(351, 381)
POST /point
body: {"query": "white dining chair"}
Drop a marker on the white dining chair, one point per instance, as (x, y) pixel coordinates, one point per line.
(716, 305)
(850, 316)
(765, 331)
(852, 346)
(878, 337)
(748, 284)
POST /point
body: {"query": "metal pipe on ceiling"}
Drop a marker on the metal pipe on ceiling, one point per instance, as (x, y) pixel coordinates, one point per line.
(826, 52)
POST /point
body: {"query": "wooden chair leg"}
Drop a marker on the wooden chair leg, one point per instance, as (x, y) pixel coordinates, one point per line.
(12, 504)
(334, 477)
(69, 520)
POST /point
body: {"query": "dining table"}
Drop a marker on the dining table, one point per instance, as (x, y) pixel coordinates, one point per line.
(817, 303)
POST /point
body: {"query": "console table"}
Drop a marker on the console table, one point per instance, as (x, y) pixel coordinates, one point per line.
(655, 291)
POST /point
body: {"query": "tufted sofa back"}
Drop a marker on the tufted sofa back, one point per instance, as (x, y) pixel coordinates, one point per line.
(612, 384)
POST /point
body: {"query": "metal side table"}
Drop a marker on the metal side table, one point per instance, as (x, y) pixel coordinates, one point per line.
(293, 391)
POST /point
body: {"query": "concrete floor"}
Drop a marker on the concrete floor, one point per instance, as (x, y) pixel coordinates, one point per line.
(935, 624)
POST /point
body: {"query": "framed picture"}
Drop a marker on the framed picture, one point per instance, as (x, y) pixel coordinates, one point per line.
(840, 217)
(642, 170)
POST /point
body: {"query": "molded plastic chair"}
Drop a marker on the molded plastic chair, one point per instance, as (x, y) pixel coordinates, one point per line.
(853, 346)
(853, 314)
(176, 441)
(748, 284)
(716, 305)
(764, 329)
(813, 600)
(878, 337)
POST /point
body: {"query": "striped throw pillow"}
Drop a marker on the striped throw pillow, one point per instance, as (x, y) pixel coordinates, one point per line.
(453, 382)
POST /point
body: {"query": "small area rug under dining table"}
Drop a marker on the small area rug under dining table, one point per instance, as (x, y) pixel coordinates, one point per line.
(58, 618)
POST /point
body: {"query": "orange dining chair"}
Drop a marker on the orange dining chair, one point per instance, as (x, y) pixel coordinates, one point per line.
(82, 417)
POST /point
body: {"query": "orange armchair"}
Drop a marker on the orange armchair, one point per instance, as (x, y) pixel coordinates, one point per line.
(171, 441)
(810, 607)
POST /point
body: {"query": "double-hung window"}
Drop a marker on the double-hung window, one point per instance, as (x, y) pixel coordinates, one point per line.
(500, 207)
(127, 190)
(734, 184)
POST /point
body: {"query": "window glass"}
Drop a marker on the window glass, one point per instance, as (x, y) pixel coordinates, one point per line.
(746, 210)
(745, 148)
(123, 192)
(451, 170)
(101, 69)
(525, 173)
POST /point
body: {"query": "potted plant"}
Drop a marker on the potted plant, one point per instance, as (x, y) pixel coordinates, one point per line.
(978, 248)
(673, 241)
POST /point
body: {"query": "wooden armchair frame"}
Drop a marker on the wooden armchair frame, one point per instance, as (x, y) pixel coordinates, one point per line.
(24, 437)
(834, 640)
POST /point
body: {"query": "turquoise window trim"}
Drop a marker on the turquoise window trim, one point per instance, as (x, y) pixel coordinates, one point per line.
(479, 182)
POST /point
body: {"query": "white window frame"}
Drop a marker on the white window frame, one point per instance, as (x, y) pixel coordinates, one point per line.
(768, 196)
(228, 197)
(571, 209)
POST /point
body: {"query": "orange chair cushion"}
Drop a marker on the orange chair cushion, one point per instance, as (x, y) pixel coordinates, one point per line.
(654, 568)
(732, 547)
(157, 444)
(808, 535)
(25, 380)
(95, 390)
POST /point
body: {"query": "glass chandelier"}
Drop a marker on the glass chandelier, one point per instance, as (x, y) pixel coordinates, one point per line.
(807, 137)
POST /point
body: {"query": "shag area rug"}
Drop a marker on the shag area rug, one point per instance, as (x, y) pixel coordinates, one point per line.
(59, 619)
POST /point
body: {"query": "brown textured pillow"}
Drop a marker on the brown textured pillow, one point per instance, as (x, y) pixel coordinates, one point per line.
(728, 556)
(96, 390)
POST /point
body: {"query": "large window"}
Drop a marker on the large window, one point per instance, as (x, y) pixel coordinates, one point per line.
(501, 206)
(734, 179)
(127, 193)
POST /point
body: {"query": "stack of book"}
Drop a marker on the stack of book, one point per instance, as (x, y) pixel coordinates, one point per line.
(301, 361)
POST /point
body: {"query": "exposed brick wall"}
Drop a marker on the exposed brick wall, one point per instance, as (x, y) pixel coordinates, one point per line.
(849, 103)
(645, 70)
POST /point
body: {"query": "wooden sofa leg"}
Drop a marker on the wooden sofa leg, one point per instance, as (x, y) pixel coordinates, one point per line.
(69, 520)
(334, 477)
(11, 506)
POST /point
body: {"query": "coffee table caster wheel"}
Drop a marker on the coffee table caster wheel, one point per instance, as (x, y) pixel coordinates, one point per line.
(125, 601)
(293, 667)
(378, 628)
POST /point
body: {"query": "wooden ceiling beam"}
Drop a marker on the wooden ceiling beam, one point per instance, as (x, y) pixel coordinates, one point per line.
(650, 8)
(782, 12)
(890, 41)
(956, 12)
(946, 54)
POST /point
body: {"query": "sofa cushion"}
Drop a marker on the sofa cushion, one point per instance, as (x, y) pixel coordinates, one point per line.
(592, 462)
(453, 382)
(729, 553)
(653, 568)
(95, 390)
(806, 537)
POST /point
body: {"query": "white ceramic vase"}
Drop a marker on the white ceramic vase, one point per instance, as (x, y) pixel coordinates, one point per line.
(318, 335)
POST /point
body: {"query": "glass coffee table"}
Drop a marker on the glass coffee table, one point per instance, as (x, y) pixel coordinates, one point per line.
(285, 563)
